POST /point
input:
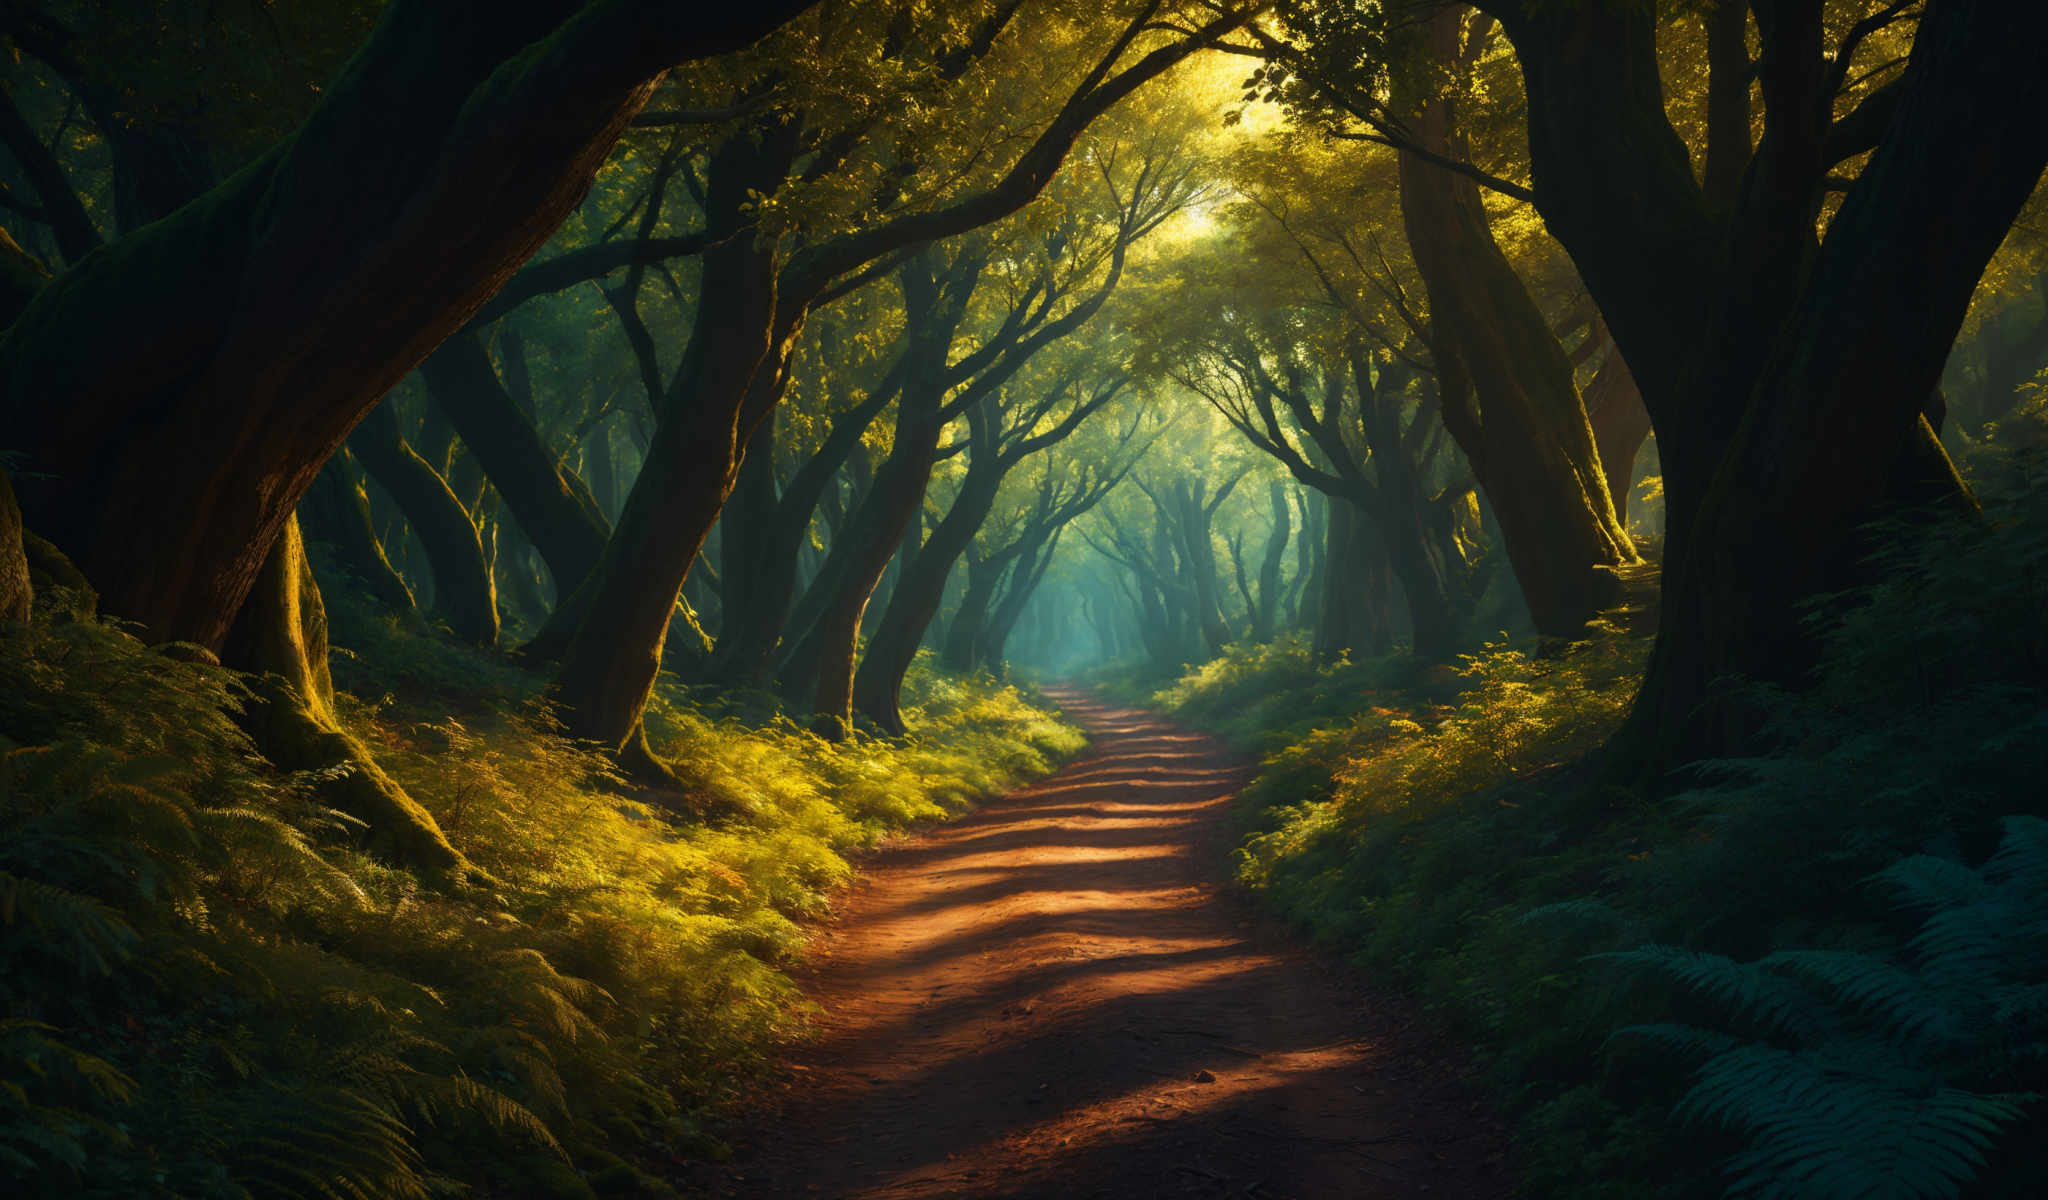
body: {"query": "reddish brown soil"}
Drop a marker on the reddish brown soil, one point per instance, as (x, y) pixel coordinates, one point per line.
(1054, 997)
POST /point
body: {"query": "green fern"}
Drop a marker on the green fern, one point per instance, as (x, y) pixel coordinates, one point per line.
(1854, 1074)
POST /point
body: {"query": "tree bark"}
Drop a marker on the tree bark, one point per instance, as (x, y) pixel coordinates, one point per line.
(464, 593)
(934, 312)
(1620, 426)
(620, 616)
(335, 511)
(1835, 431)
(1743, 332)
(16, 593)
(281, 636)
(246, 333)
(1529, 441)
(876, 690)
(1356, 609)
(552, 506)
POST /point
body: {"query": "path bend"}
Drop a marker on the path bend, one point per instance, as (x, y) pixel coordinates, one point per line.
(1053, 997)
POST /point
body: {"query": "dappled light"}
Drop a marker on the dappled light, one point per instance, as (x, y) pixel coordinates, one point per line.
(1043, 998)
(928, 598)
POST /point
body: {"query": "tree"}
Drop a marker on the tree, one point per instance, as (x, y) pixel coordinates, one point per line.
(736, 368)
(1827, 335)
(246, 333)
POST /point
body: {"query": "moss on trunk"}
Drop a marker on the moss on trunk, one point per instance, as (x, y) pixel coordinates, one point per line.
(16, 592)
(281, 639)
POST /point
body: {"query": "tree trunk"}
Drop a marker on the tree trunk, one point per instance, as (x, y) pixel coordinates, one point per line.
(1526, 435)
(1835, 431)
(1620, 425)
(1777, 440)
(464, 593)
(553, 508)
(1198, 550)
(1308, 559)
(966, 632)
(878, 687)
(242, 336)
(16, 593)
(892, 503)
(1357, 603)
(281, 636)
(336, 512)
(1024, 580)
(1266, 617)
(621, 613)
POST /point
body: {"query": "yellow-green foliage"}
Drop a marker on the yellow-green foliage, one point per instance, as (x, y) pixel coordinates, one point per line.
(1466, 843)
(204, 990)
(1401, 760)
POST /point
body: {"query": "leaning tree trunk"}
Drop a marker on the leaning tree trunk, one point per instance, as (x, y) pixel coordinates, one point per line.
(1620, 426)
(966, 633)
(209, 362)
(1526, 433)
(337, 512)
(616, 624)
(464, 592)
(281, 637)
(877, 689)
(554, 509)
(873, 539)
(1024, 580)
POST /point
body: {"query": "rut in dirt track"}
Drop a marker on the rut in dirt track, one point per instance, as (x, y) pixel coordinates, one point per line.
(1053, 997)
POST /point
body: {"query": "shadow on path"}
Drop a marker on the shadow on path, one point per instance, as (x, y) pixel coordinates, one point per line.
(1052, 997)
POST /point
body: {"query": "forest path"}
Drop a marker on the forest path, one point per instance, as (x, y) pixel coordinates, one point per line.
(1052, 996)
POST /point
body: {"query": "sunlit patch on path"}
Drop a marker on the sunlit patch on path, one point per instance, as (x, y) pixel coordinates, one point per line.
(1053, 997)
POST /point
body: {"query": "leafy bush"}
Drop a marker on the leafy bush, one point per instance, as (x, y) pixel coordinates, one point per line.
(205, 990)
(1468, 843)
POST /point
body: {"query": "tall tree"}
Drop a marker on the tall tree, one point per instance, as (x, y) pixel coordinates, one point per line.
(243, 335)
(736, 369)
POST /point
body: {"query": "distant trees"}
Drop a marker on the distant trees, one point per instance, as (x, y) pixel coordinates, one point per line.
(757, 288)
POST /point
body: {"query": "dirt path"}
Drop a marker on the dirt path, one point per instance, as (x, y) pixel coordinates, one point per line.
(1052, 997)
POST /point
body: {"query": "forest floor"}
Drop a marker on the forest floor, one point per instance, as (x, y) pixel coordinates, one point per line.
(1054, 996)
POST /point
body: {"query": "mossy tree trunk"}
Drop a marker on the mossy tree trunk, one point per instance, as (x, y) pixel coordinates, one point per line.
(242, 336)
(554, 509)
(465, 593)
(1525, 430)
(280, 636)
(16, 593)
(336, 511)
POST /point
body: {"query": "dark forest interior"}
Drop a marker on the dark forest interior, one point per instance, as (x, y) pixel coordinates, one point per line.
(917, 598)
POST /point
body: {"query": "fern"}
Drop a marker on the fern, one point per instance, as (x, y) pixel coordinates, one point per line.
(1861, 1074)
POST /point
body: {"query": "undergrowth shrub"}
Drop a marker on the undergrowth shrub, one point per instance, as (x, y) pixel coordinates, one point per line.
(205, 990)
(1467, 844)
(1866, 1074)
